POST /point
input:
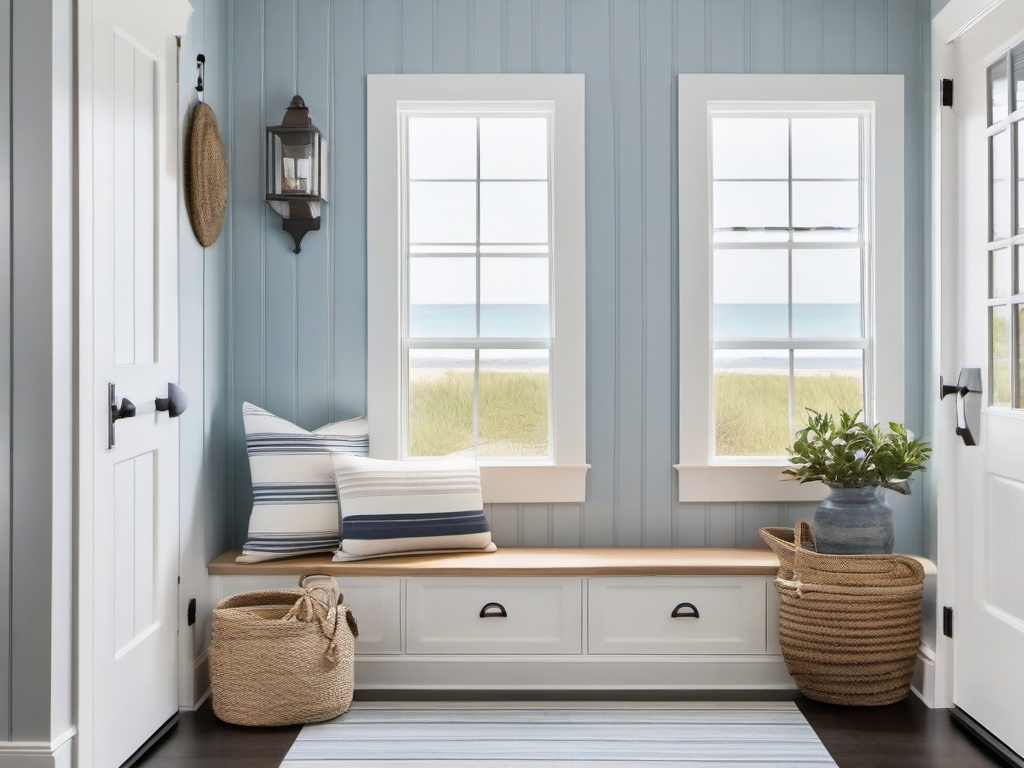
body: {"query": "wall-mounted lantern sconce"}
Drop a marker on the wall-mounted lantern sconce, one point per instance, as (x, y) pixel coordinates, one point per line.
(297, 171)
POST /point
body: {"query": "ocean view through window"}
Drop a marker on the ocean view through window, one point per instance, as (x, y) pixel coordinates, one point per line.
(477, 325)
(790, 242)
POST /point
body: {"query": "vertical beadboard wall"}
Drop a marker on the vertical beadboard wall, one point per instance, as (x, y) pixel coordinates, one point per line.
(203, 288)
(298, 324)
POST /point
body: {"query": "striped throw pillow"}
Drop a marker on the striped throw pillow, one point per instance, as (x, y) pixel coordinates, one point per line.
(409, 507)
(295, 502)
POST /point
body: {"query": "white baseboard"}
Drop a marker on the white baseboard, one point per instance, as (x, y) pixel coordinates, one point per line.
(201, 678)
(38, 754)
(923, 684)
(579, 673)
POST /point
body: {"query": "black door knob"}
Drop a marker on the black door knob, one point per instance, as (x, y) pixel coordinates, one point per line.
(125, 411)
(175, 403)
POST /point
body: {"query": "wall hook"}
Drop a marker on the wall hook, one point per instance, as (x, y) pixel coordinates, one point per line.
(201, 67)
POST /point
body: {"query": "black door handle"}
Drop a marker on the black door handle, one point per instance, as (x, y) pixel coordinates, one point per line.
(968, 413)
(693, 612)
(493, 611)
(175, 403)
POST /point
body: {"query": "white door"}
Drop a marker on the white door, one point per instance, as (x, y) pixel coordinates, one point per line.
(129, 147)
(987, 292)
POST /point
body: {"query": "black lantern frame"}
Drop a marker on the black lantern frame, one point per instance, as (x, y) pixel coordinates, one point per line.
(300, 210)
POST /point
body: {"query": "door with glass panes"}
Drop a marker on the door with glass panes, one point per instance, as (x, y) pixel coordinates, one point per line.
(988, 74)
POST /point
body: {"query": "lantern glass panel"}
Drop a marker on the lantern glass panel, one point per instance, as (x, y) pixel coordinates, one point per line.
(297, 162)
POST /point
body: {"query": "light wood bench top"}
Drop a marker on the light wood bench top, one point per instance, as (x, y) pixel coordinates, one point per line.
(522, 561)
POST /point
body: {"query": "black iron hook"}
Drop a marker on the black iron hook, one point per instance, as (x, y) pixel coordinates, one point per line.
(201, 67)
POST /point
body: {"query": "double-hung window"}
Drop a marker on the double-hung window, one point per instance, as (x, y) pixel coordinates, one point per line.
(476, 277)
(791, 254)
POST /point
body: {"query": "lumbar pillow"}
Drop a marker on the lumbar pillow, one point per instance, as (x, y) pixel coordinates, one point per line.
(295, 502)
(408, 507)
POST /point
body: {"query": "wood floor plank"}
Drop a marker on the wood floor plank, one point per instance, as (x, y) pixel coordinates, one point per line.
(904, 735)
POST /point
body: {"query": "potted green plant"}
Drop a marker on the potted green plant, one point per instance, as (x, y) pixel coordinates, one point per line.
(858, 462)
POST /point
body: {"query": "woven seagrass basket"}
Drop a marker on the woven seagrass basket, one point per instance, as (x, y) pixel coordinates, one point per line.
(282, 657)
(849, 625)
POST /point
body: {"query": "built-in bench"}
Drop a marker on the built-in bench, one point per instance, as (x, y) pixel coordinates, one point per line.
(555, 619)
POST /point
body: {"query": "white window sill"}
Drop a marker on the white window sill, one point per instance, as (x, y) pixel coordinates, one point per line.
(750, 483)
(543, 484)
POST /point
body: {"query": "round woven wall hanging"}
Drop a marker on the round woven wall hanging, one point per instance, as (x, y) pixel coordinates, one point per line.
(206, 175)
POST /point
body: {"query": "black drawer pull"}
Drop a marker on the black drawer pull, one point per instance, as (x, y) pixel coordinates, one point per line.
(493, 611)
(693, 614)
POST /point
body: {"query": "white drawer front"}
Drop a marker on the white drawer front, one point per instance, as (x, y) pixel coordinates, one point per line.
(634, 615)
(542, 615)
(376, 604)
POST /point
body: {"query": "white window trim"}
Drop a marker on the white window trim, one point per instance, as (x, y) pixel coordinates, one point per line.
(700, 478)
(563, 479)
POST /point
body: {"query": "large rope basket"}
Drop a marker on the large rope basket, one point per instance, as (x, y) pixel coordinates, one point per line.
(849, 625)
(283, 657)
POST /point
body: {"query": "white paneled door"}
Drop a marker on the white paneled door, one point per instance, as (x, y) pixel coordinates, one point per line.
(986, 63)
(129, 353)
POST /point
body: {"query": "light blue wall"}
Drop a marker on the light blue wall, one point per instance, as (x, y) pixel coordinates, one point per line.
(298, 324)
(203, 328)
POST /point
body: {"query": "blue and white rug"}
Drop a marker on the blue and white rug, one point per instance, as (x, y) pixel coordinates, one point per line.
(561, 734)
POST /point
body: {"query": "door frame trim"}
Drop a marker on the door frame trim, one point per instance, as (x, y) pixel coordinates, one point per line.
(954, 20)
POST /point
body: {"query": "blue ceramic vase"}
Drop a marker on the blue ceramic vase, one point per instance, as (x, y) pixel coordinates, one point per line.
(854, 521)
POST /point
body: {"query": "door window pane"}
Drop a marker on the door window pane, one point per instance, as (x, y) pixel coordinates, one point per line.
(442, 297)
(750, 148)
(1000, 276)
(441, 383)
(826, 206)
(513, 148)
(751, 402)
(1019, 133)
(827, 381)
(826, 148)
(999, 168)
(999, 333)
(514, 403)
(442, 212)
(1018, 76)
(1020, 356)
(514, 298)
(998, 106)
(442, 148)
(826, 294)
(751, 294)
(514, 212)
(1019, 269)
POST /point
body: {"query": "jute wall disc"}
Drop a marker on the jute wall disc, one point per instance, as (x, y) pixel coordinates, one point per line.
(206, 175)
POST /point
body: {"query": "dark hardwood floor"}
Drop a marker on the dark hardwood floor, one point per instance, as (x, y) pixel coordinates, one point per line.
(904, 735)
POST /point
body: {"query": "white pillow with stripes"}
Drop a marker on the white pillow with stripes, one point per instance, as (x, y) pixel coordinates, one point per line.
(295, 501)
(393, 508)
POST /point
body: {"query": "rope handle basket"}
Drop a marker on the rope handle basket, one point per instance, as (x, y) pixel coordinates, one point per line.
(283, 656)
(849, 625)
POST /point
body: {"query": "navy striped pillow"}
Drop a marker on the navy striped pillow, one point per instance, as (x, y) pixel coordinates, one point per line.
(295, 500)
(405, 507)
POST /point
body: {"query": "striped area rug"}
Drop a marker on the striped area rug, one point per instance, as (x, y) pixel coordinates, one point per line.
(561, 734)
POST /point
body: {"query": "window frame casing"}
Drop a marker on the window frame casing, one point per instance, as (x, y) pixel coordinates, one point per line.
(701, 476)
(561, 478)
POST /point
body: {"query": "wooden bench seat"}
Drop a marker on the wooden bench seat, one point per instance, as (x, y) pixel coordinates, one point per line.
(521, 561)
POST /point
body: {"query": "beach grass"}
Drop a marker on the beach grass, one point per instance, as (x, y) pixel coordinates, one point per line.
(513, 413)
(751, 411)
